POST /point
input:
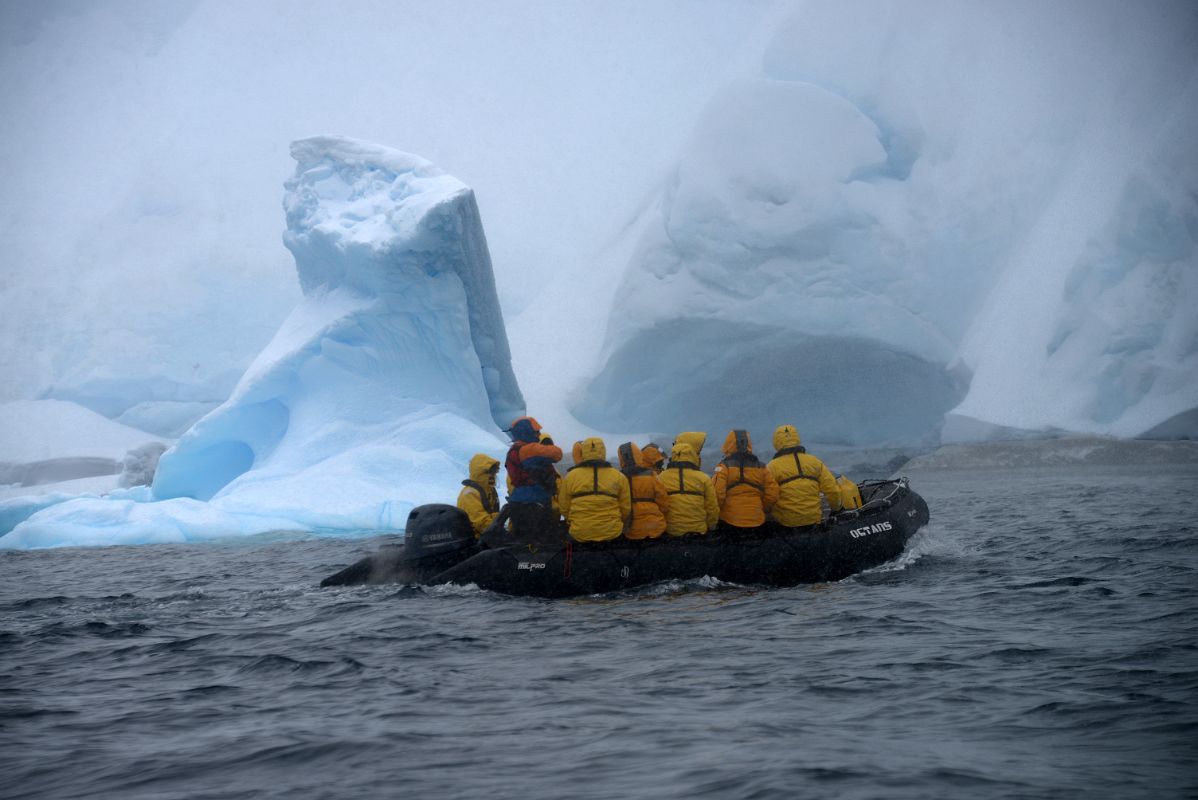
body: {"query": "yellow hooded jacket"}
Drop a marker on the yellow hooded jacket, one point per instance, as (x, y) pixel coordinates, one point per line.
(850, 495)
(693, 505)
(649, 499)
(801, 477)
(696, 439)
(594, 496)
(744, 487)
(478, 497)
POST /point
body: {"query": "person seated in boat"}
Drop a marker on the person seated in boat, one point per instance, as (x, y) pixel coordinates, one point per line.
(850, 493)
(547, 440)
(801, 478)
(693, 506)
(743, 486)
(576, 454)
(478, 497)
(696, 439)
(594, 496)
(533, 478)
(649, 499)
(653, 457)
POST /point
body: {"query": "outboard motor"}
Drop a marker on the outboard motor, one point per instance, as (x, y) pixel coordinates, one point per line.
(437, 537)
(437, 531)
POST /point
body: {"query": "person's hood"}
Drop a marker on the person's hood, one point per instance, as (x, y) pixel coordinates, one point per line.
(593, 449)
(683, 453)
(696, 439)
(630, 456)
(576, 452)
(525, 429)
(652, 455)
(786, 436)
(738, 442)
(481, 465)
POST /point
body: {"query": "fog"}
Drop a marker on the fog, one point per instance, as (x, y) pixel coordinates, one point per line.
(1005, 193)
(146, 146)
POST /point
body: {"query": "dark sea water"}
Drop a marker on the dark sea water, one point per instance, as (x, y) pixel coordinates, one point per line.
(1037, 640)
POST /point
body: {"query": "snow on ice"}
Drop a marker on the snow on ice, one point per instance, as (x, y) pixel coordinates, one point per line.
(52, 430)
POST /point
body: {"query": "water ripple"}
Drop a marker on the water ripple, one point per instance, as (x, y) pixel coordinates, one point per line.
(1037, 640)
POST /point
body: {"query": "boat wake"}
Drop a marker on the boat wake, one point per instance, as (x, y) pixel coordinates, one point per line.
(932, 540)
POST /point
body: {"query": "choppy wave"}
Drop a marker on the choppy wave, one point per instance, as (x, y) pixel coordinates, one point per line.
(1034, 641)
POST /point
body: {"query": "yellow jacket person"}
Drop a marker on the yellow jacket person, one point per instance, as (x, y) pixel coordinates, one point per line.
(594, 496)
(696, 439)
(850, 494)
(801, 478)
(693, 506)
(478, 497)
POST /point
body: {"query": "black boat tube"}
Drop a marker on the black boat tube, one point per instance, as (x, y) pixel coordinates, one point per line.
(440, 548)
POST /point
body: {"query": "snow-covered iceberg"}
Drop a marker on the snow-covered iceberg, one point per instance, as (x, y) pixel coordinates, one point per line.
(49, 441)
(392, 370)
(770, 285)
(41, 430)
(897, 223)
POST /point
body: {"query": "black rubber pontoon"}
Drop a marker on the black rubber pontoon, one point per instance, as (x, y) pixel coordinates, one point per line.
(439, 548)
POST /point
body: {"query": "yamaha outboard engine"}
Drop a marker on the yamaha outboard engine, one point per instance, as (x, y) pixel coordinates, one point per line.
(437, 537)
(437, 532)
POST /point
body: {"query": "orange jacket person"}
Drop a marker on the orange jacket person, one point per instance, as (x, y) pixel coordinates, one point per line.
(530, 463)
(531, 507)
(649, 499)
(743, 486)
(653, 457)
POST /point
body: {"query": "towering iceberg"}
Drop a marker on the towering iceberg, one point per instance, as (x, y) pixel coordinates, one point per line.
(897, 224)
(400, 321)
(393, 369)
(771, 283)
(1092, 326)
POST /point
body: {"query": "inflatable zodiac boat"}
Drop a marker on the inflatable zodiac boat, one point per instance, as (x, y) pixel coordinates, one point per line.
(440, 547)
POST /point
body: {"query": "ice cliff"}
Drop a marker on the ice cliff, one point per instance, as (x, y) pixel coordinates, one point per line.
(768, 282)
(393, 369)
(925, 212)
